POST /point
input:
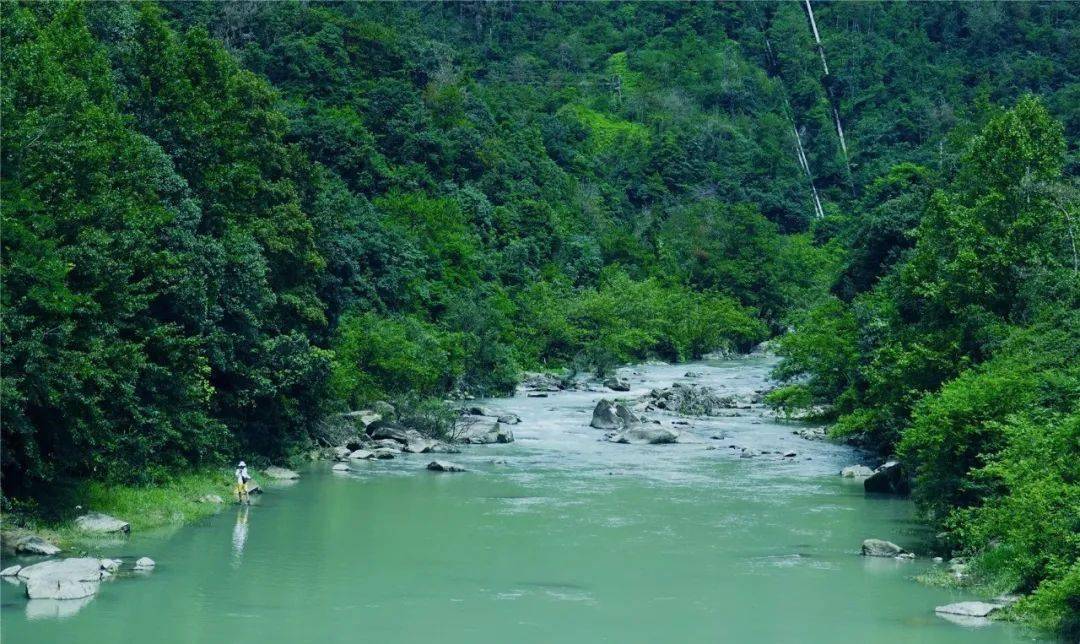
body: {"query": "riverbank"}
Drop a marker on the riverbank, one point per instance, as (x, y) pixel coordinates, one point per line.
(179, 500)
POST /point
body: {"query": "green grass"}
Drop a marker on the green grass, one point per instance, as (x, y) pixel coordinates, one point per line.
(171, 503)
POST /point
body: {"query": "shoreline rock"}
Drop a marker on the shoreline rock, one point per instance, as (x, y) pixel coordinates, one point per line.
(280, 473)
(99, 523)
(888, 479)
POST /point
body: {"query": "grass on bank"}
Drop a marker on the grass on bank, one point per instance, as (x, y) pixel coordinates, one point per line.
(146, 507)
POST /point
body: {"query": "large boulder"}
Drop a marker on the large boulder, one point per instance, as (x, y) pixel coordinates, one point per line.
(617, 384)
(646, 434)
(101, 523)
(509, 419)
(383, 453)
(363, 417)
(604, 416)
(856, 472)
(280, 473)
(444, 466)
(360, 455)
(383, 408)
(887, 479)
(484, 433)
(417, 443)
(363, 441)
(10, 571)
(540, 382)
(62, 578)
(691, 400)
(34, 545)
(144, 563)
(881, 548)
(382, 430)
(342, 453)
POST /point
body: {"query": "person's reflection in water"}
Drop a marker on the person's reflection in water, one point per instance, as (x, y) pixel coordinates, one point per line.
(239, 534)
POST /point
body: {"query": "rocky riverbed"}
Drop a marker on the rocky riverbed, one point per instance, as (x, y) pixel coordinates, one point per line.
(740, 530)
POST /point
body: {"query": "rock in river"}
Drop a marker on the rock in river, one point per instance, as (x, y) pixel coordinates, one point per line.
(280, 473)
(617, 384)
(888, 479)
(482, 433)
(604, 416)
(509, 419)
(340, 467)
(880, 548)
(145, 563)
(101, 523)
(856, 472)
(649, 435)
(968, 609)
(359, 455)
(10, 571)
(444, 466)
(62, 578)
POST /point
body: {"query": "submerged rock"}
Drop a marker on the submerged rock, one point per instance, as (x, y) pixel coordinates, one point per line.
(649, 435)
(145, 563)
(340, 467)
(856, 472)
(101, 523)
(968, 609)
(881, 548)
(444, 466)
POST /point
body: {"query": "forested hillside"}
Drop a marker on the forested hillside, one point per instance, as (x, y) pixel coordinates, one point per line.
(224, 221)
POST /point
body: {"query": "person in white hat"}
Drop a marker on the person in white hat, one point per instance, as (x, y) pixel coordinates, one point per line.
(242, 478)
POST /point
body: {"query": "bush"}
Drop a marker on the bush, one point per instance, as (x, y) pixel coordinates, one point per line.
(379, 357)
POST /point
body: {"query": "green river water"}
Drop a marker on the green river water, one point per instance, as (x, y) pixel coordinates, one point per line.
(569, 540)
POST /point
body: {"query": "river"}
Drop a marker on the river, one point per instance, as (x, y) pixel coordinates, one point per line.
(563, 538)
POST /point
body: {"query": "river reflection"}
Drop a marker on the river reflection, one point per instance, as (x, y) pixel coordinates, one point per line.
(240, 533)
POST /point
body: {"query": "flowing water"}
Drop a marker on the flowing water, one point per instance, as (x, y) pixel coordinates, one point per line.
(557, 537)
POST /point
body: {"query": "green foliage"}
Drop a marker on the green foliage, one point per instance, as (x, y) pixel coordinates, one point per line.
(223, 221)
(378, 357)
(956, 344)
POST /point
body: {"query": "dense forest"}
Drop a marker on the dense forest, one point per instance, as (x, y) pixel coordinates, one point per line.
(224, 222)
